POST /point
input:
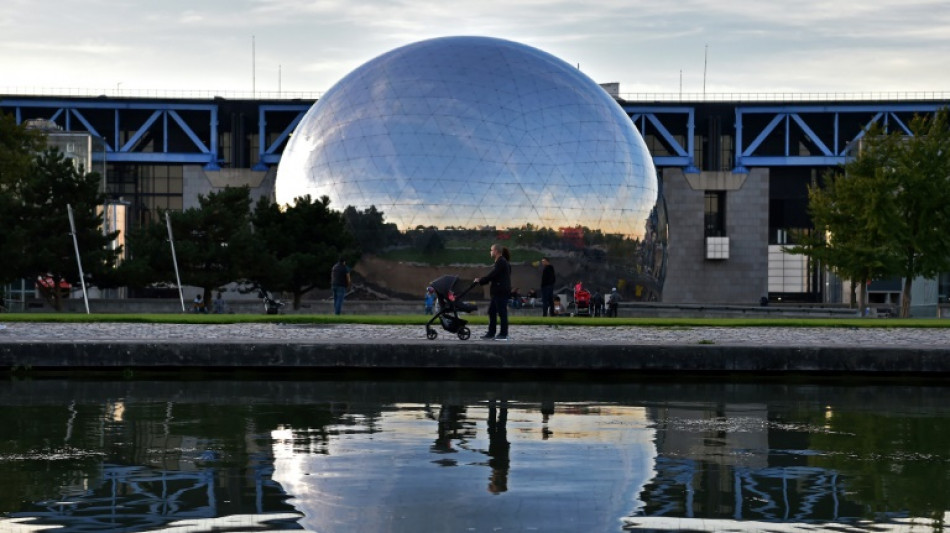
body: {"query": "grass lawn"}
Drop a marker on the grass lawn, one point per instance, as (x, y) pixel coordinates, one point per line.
(189, 318)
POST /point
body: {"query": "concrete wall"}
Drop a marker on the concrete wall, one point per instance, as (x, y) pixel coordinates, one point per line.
(742, 279)
(197, 180)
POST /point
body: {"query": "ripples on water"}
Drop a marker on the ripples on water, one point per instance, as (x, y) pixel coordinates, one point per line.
(468, 456)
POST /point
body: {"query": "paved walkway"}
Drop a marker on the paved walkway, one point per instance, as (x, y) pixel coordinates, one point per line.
(20, 332)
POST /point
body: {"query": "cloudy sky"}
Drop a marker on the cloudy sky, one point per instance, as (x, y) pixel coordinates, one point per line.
(305, 46)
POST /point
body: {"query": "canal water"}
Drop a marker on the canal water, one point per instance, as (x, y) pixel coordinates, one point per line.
(410, 456)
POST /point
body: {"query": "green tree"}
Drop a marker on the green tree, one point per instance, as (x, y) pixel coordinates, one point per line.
(38, 243)
(922, 195)
(850, 211)
(302, 242)
(214, 244)
(18, 149)
(886, 211)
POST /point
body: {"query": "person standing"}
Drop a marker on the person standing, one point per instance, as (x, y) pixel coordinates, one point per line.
(430, 300)
(500, 290)
(597, 303)
(613, 301)
(339, 282)
(547, 287)
(218, 305)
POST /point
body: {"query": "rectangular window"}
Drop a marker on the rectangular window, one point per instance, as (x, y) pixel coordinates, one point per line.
(715, 214)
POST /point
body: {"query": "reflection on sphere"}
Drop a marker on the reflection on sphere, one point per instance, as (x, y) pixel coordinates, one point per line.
(476, 140)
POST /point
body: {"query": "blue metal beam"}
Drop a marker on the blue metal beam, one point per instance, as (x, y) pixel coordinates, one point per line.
(143, 129)
(191, 134)
(159, 157)
(654, 115)
(268, 154)
(833, 149)
(206, 151)
(828, 129)
(89, 127)
(792, 161)
(811, 134)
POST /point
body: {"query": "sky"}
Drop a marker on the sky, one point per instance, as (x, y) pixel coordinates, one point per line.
(262, 47)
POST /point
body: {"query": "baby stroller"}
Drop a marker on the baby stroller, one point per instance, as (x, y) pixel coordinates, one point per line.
(581, 301)
(450, 304)
(271, 306)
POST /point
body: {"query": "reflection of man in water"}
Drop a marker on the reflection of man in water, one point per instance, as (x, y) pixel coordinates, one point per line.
(547, 409)
(498, 447)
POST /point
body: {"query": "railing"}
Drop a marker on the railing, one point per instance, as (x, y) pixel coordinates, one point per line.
(122, 92)
(787, 97)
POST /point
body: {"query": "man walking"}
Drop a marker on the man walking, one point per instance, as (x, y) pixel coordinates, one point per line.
(339, 282)
(500, 279)
(547, 287)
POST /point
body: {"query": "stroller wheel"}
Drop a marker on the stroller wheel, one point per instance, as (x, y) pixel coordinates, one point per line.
(464, 334)
(431, 334)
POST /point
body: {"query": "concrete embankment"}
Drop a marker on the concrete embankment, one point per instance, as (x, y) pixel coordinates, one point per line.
(474, 356)
(532, 350)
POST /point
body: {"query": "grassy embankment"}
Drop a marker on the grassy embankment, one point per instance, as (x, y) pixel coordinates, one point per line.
(188, 318)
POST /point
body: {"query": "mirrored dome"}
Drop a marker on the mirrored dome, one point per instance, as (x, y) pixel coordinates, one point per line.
(462, 141)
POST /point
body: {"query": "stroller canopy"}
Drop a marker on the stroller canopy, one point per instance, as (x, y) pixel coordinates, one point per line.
(444, 284)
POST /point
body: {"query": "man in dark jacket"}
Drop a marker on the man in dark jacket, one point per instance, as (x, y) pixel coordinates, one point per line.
(613, 301)
(339, 282)
(500, 290)
(547, 287)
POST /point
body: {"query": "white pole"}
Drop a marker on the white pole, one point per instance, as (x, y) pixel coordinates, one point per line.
(82, 277)
(705, 64)
(171, 240)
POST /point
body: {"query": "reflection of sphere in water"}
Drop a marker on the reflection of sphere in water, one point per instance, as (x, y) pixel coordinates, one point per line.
(474, 132)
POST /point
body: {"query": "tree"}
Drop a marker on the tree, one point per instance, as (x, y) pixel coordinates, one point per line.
(922, 176)
(886, 211)
(214, 244)
(302, 243)
(37, 240)
(853, 208)
(18, 149)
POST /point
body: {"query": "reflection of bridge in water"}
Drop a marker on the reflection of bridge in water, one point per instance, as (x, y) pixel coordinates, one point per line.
(731, 462)
(797, 493)
(734, 463)
(139, 498)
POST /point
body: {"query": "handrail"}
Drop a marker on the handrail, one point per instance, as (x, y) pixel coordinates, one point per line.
(831, 96)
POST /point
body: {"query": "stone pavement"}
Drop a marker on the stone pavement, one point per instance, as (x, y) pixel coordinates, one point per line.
(372, 334)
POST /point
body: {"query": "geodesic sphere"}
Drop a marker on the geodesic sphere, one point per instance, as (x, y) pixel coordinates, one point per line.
(475, 132)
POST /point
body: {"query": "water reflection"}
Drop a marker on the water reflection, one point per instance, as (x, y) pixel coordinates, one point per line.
(410, 456)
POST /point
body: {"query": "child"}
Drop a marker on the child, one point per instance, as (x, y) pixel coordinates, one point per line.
(430, 300)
